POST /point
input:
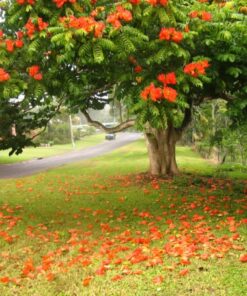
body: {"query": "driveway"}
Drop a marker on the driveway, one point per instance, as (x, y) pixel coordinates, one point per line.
(38, 165)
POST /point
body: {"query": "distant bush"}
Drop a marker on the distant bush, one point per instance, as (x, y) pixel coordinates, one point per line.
(58, 133)
(85, 131)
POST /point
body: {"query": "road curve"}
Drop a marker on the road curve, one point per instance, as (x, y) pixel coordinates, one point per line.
(31, 167)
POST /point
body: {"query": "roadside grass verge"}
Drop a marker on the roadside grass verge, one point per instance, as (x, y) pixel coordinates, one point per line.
(37, 152)
(101, 227)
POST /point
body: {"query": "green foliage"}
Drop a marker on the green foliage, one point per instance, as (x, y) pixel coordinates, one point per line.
(58, 133)
(214, 135)
(81, 65)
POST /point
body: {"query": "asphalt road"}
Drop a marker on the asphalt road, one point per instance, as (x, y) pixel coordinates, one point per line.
(31, 167)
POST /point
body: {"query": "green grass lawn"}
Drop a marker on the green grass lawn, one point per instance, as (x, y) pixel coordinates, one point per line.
(102, 227)
(30, 153)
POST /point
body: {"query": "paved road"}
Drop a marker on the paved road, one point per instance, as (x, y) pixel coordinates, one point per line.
(37, 165)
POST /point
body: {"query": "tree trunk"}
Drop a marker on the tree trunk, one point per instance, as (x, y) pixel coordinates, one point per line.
(170, 151)
(162, 150)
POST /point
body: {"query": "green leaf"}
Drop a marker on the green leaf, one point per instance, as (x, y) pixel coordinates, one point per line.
(107, 44)
(226, 57)
(225, 35)
(34, 46)
(98, 53)
(186, 88)
(135, 33)
(163, 16)
(148, 11)
(196, 82)
(234, 71)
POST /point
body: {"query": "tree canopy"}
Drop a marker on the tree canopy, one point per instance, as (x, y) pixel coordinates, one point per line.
(160, 57)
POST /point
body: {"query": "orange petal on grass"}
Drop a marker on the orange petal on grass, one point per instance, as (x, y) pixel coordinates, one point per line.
(5, 279)
(204, 256)
(50, 276)
(158, 279)
(137, 272)
(243, 258)
(183, 272)
(117, 277)
(87, 281)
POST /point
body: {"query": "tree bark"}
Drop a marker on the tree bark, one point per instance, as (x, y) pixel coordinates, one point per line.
(161, 143)
(156, 151)
(162, 150)
(172, 137)
(120, 127)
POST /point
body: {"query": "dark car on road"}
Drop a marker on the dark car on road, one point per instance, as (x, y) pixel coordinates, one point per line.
(110, 136)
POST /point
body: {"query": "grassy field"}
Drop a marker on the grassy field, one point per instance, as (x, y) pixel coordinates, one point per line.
(36, 152)
(102, 227)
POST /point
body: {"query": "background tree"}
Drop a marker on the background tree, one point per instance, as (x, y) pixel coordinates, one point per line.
(216, 135)
(158, 57)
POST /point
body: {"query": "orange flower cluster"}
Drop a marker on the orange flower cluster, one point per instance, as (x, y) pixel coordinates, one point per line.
(4, 76)
(41, 24)
(170, 34)
(138, 69)
(170, 94)
(156, 2)
(197, 68)
(34, 71)
(88, 24)
(121, 14)
(32, 28)
(157, 93)
(22, 2)
(11, 44)
(203, 15)
(60, 3)
(169, 78)
(19, 42)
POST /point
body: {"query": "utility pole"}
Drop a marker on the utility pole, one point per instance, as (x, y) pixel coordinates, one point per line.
(71, 132)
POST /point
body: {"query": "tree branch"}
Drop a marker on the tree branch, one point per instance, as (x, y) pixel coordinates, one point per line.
(187, 119)
(118, 128)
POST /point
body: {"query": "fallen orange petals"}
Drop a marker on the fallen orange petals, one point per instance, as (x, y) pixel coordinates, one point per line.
(87, 281)
(243, 258)
(5, 280)
(183, 272)
(50, 277)
(158, 279)
(117, 277)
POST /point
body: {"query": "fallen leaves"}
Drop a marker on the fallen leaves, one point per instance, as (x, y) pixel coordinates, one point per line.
(183, 272)
(28, 268)
(117, 277)
(5, 279)
(171, 232)
(243, 258)
(158, 279)
(87, 281)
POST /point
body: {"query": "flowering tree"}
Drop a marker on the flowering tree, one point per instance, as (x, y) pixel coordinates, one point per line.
(159, 57)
